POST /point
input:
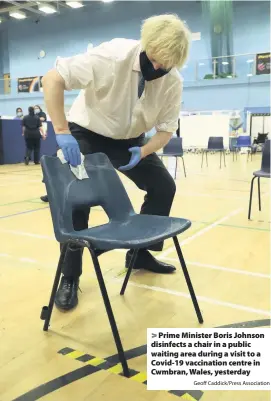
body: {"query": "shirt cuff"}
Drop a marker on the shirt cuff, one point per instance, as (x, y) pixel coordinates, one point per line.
(167, 127)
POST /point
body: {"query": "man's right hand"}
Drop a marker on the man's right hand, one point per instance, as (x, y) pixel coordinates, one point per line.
(70, 148)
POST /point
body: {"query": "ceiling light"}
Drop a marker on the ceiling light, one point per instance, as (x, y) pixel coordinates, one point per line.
(250, 61)
(229, 76)
(225, 63)
(107, 1)
(74, 4)
(17, 14)
(47, 8)
(0, 20)
(249, 75)
(201, 64)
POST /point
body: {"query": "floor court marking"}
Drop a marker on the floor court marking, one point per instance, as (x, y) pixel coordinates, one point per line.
(18, 183)
(153, 288)
(201, 265)
(202, 231)
(18, 202)
(89, 369)
(199, 297)
(92, 365)
(27, 211)
(221, 268)
(57, 383)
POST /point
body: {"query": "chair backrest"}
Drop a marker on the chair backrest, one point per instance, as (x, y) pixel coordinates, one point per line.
(215, 142)
(66, 193)
(174, 147)
(266, 157)
(243, 140)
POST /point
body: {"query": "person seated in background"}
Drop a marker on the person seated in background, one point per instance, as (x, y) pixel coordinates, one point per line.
(32, 132)
(19, 114)
(40, 113)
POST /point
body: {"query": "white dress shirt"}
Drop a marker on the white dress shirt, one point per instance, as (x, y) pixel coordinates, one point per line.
(108, 103)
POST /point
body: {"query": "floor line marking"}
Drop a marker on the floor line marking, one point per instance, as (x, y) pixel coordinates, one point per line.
(202, 265)
(22, 201)
(214, 267)
(27, 234)
(199, 297)
(164, 290)
(27, 211)
(18, 183)
(201, 232)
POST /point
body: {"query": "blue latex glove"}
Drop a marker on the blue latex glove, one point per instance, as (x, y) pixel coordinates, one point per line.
(70, 148)
(135, 159)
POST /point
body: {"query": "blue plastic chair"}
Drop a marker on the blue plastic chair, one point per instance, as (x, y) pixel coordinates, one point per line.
(174, 148)
(125, 229)
(215, 144)
(243, 141)
(263, 173)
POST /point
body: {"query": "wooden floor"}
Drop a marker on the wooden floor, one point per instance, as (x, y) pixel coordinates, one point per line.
(227, 256)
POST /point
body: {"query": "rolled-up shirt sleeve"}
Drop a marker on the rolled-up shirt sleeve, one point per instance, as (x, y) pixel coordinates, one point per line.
(77, 71)
(168, 118)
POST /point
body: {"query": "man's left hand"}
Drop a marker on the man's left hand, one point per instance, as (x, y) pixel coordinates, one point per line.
(135, 159)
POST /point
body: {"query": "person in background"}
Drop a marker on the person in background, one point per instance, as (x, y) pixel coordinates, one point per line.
(235, 122)
(32, 132)
(19, 113)
(144, 78)
(38, 112)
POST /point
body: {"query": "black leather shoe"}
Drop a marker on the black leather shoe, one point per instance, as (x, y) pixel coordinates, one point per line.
(146, 261)
(66, 296)
(44, 198)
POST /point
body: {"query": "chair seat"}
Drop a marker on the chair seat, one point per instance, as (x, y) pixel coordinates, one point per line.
(262, 173)
(170, 154)
(242, 146)
(138, 231)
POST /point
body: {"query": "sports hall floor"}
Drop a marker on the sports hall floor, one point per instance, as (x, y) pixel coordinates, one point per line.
(228, 258)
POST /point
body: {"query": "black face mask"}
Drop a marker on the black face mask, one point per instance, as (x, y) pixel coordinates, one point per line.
(147, 69)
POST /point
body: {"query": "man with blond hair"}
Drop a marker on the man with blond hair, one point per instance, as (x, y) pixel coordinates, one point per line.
(127, 88)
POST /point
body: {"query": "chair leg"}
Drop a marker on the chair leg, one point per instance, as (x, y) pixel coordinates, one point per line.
(188, 280)
(206, 159)
(220, 157)
(184, 167)
(202, 158)
(250, 198)
(110, 314)
(224, 158)
(129, 271)
(235, 154)
(259, 194)
(176, 165)
(47, 310)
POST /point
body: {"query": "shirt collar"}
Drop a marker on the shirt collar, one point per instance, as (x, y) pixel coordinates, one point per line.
(136, 65)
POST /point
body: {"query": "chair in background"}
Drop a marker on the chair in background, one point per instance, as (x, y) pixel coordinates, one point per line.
(215, 144)
(125, 230)
(174, 148)
(263, 173)
(243, 141)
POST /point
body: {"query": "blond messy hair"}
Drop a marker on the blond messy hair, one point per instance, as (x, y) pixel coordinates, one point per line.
(166, 39)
